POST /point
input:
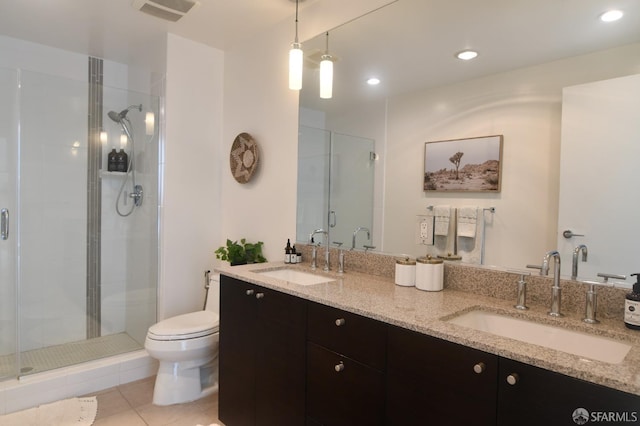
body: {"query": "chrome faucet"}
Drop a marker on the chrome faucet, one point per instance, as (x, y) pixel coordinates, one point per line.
(591, 304)
(362, 228)
(314, 252)
(576, 252)
(556, 291)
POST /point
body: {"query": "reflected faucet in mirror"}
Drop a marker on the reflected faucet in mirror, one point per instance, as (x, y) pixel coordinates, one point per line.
(314, 251)
(576, 252)
(355, 233)
(556, 293)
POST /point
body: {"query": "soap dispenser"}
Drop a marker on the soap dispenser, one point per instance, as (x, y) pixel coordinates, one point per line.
(122, 161)
(111, 161)
(632, 306)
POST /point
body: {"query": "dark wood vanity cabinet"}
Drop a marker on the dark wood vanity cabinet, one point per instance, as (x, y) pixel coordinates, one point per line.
(262, 355)
(346, 358)
(432, 381)
(529, 395)
(286, 361)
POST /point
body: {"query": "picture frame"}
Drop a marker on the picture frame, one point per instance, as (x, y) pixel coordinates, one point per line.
(463, 165)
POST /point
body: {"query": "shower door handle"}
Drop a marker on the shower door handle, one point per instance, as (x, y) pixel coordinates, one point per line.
(4, 224)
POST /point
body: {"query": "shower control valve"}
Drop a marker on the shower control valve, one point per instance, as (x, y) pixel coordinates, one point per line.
(137, 195)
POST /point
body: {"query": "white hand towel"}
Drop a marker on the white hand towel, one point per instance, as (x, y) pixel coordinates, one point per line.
(467, 218)
(442, 214)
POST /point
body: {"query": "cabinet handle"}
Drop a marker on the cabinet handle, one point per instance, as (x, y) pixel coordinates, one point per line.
(340, 322)
(339, 367)
(250, 292)
(479, 368)
(513, 378)
(259, 295)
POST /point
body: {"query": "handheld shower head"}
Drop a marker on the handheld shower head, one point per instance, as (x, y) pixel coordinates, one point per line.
(119, 116)
(114, 116)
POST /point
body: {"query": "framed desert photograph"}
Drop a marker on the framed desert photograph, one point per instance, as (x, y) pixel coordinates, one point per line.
(463, 165)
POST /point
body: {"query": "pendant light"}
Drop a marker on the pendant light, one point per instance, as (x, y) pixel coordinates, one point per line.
(326, 73)
(295, 60)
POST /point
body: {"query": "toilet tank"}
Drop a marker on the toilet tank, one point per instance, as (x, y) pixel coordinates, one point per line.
(213, 296)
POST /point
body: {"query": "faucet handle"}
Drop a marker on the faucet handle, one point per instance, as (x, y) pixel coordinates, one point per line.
(591, 302)
(522, 272)
(535, 267)
(366, 247)
(521, 302)
(337, 243)
(614, 276)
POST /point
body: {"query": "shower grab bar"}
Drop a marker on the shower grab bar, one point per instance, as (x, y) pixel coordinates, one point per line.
(4, 224)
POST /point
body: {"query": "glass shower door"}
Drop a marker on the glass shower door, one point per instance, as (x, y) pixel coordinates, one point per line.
(335, 186)
(351, 190)
(8, 248)
(314, 150)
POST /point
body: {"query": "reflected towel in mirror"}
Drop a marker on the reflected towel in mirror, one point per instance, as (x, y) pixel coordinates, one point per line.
(442, 214)
(467, 218)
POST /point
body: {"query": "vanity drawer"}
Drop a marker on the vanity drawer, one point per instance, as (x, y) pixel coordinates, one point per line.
(362, 339)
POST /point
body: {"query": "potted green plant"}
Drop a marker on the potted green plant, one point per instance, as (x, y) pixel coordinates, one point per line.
(241, 253)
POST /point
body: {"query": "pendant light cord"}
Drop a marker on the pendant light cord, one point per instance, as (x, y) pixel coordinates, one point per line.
(296, 39)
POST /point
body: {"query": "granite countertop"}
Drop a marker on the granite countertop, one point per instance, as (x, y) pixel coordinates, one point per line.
(427, 312)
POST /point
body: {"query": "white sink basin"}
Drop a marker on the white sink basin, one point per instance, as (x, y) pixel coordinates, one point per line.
(296, 277)
(569, 341)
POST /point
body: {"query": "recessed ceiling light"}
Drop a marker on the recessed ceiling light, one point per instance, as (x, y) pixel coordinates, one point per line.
(373, 81)
(465, 55)
(611, 15)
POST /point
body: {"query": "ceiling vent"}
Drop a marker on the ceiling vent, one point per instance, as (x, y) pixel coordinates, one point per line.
(169, 10)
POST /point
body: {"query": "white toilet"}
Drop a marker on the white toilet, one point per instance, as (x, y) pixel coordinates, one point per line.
(186, 347)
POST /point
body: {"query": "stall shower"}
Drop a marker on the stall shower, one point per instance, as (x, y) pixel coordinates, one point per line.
(79, 251)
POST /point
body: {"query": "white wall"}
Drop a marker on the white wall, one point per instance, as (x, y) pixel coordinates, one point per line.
(523, 105)
(191, 207)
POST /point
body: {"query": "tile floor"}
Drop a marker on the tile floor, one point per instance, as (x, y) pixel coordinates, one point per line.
(130, 405)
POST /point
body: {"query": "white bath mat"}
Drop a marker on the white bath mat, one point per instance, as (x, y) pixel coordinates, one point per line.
(68, 412)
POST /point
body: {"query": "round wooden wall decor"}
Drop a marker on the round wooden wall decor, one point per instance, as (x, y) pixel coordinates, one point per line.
(243, 158)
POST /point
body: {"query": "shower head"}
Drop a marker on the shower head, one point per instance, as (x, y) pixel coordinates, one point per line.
(119, 116)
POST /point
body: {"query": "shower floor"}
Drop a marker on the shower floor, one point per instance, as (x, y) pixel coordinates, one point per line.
(49, 358)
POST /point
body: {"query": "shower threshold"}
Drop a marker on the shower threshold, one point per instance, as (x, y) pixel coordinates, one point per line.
(67, 354)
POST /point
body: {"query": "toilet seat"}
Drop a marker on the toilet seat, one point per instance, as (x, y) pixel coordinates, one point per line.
(186, 326)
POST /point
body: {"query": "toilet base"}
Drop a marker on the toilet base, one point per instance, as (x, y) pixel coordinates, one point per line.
(177, 383)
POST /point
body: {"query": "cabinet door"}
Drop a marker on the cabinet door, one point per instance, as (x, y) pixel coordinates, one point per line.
(534, 396)
(341, 391)
(280, 359)
(432, 381)
(236, 397)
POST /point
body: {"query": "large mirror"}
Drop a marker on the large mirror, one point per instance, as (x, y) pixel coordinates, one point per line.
(529, 52)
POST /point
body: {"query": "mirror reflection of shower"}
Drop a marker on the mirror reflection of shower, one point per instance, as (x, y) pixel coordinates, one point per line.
(130, 175)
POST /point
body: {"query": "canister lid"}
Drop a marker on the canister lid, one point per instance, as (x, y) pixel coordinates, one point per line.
(429, 260)
(405, 261)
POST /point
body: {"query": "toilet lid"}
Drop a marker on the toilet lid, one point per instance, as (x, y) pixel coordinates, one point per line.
(186, 326)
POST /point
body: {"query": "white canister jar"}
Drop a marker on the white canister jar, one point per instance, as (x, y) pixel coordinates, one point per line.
(429, 274)
(405, 272)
